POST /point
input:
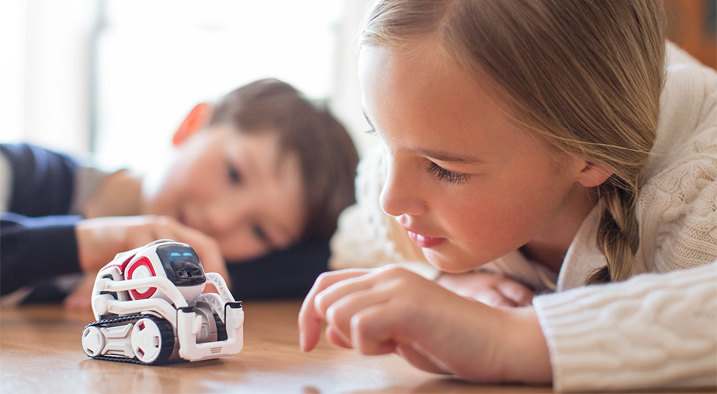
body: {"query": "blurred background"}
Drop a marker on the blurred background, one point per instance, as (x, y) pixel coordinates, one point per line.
(114, 78)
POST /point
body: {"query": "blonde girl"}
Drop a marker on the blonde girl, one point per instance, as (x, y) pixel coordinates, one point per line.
(540, 135)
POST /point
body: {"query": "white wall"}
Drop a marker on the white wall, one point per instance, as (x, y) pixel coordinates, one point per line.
(44, 72)
(47, 71)
(347, 99)
(12, 65)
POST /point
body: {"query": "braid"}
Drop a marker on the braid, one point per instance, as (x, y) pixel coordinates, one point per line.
(618, 233)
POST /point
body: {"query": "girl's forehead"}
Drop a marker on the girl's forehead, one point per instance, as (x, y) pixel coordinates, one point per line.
(432, 103)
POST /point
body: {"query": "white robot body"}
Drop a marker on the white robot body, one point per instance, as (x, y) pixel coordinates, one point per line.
(151, 309)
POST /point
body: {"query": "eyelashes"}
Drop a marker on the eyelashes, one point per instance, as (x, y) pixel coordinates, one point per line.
(446, 176)
(439, 172)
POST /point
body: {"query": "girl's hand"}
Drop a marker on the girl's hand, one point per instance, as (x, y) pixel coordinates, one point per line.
(100, 239)
(394, 310)
(490, 289)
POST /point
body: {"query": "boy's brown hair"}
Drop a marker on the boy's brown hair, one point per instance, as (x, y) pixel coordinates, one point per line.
(327, 155)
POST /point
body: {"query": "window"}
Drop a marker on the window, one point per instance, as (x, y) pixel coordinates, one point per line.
(153, 60)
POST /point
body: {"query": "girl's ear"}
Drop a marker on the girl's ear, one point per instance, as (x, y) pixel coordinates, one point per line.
(593, 174)
(197, 118)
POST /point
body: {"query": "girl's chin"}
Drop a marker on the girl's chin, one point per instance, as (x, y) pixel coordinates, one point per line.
(449, 264)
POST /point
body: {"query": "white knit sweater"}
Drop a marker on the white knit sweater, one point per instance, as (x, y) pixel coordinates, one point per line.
(658, 329)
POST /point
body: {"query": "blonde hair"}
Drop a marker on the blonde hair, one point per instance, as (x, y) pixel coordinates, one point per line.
(584, 75)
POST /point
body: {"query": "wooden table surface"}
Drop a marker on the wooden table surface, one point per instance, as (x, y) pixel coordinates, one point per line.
(40, 352)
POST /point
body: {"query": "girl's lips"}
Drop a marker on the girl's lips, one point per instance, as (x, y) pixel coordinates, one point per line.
(424, 241)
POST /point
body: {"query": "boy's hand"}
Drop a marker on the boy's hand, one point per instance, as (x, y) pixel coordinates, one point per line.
(394, 310)
(80, 298)
(490, 289)
(100, 239)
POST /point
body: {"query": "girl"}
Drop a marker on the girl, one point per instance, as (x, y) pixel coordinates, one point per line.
(525, 135)
(261, 170)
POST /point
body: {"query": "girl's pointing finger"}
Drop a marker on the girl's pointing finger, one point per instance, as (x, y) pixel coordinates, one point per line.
(309, 317)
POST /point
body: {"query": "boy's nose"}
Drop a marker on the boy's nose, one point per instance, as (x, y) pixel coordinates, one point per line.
(401, 195)
(222, 216)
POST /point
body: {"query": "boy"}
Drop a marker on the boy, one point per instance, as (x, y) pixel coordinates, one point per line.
(262, 170)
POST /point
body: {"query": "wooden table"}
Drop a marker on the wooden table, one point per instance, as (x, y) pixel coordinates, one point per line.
(40, 352)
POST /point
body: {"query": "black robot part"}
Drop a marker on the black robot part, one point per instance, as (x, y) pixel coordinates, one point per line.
(181, 265)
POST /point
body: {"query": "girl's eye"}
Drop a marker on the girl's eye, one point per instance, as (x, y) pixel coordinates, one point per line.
(447, 176)
(233, 174)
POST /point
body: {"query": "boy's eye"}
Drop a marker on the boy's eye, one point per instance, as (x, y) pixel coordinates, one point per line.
(259, 233)
(233, 174)
(445, 175)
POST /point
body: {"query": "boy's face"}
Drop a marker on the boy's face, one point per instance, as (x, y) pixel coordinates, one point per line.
(238, 188)
(464, 180)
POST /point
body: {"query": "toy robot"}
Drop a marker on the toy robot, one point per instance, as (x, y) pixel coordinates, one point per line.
(150, 309)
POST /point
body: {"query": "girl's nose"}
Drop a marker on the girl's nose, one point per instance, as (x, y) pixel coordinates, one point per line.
(402, 193)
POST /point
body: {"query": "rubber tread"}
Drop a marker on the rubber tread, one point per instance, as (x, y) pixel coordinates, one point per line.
(167, 346)
(221, 328)
(120, 319)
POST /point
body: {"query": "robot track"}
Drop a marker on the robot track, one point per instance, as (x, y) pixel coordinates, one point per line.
(139, 339)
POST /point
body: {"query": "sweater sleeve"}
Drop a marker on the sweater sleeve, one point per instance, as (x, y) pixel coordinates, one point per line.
(37, 236)
(654, 330)
(42, 181)
(33, 249)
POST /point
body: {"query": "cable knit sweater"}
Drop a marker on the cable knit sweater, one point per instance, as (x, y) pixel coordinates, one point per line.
(658, 329)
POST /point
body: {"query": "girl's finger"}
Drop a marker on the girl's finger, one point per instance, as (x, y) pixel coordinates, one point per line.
(517, 293)
(360, 296)
(378, 329)
(309, 319)
(336, 339)
(418, 360)
(340, 289)
(495, 299)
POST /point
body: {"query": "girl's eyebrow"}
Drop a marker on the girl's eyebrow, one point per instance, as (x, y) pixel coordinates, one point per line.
(447, 157)
(435, 154)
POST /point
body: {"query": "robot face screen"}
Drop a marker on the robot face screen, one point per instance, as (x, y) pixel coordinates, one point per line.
(181, 265)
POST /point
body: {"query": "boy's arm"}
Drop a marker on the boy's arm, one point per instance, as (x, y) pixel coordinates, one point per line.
(32, 249)
(37, 237)
(42, 181)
